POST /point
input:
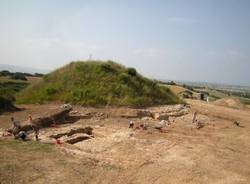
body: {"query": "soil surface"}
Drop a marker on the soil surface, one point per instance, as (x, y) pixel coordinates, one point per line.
(216, 153)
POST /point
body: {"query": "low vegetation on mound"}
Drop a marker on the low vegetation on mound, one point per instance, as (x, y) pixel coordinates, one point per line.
(97, 83)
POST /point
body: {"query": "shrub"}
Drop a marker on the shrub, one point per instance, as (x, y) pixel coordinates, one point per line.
(131, 71)
(38, 75)
(107, 67)
(124, 78)
(18, 76)
(6, 102)
(51, 91)
(5, 73)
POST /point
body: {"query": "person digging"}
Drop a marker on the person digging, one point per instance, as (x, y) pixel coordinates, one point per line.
(35, 128)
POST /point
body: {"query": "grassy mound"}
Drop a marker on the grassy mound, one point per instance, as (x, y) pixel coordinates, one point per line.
(97, 83)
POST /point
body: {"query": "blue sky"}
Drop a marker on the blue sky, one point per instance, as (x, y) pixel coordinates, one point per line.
(194, 40)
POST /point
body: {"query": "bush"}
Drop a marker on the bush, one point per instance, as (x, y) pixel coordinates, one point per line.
(124, 78)
(131, 71)
(51, 91)
(6, 102)
(18, 76)
(107, 67)
(5, 73)
(38, 75)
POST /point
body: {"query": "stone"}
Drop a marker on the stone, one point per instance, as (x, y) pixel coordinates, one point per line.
(78, 137)
(144, 113)
(87, 130)
(161, 116)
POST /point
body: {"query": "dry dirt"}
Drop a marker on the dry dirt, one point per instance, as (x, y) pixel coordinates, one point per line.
(230, 102)
(217, 153)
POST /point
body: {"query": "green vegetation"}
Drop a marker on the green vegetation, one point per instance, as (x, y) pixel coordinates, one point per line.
(245, 101)
(7, 91)
(11, 74)
(18, 76)
(10, 84)
(97, 83)
(25, 146)
(6, 103)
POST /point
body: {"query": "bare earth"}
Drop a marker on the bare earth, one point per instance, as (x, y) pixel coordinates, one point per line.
(217, 153)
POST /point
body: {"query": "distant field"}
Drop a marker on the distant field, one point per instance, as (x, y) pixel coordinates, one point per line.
(11, 86)
(245, 100)
(213, 94)
(29, 79)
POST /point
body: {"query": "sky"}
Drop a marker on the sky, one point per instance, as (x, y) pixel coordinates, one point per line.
(191, 40)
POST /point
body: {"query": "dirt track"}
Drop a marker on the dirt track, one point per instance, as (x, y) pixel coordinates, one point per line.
(217, 153)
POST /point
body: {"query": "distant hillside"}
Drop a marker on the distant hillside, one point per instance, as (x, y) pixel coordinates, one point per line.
(22, 69)
(97, 83)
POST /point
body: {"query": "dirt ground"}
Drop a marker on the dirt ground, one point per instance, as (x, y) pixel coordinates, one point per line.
(216, 153)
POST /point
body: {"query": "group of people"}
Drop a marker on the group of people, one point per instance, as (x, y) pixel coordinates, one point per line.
(18, 133)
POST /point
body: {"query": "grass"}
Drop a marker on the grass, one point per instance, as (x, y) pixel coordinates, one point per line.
(97, 83)
(178, 90)
(25, 162)
(25, 146)
(245, 101)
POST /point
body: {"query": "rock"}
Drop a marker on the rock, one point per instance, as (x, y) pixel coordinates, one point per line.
(146, 118)
(161, 124)
(144, 113)
(161, 116)
(76, 138)
(87, 130)
(179, 113)
(59, 135)
(73, 112)
(47, 121)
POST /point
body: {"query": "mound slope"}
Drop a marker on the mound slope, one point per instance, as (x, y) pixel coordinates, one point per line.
(230, 102)
(97, 83)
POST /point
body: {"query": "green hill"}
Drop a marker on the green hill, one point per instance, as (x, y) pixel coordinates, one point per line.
(97, 83)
